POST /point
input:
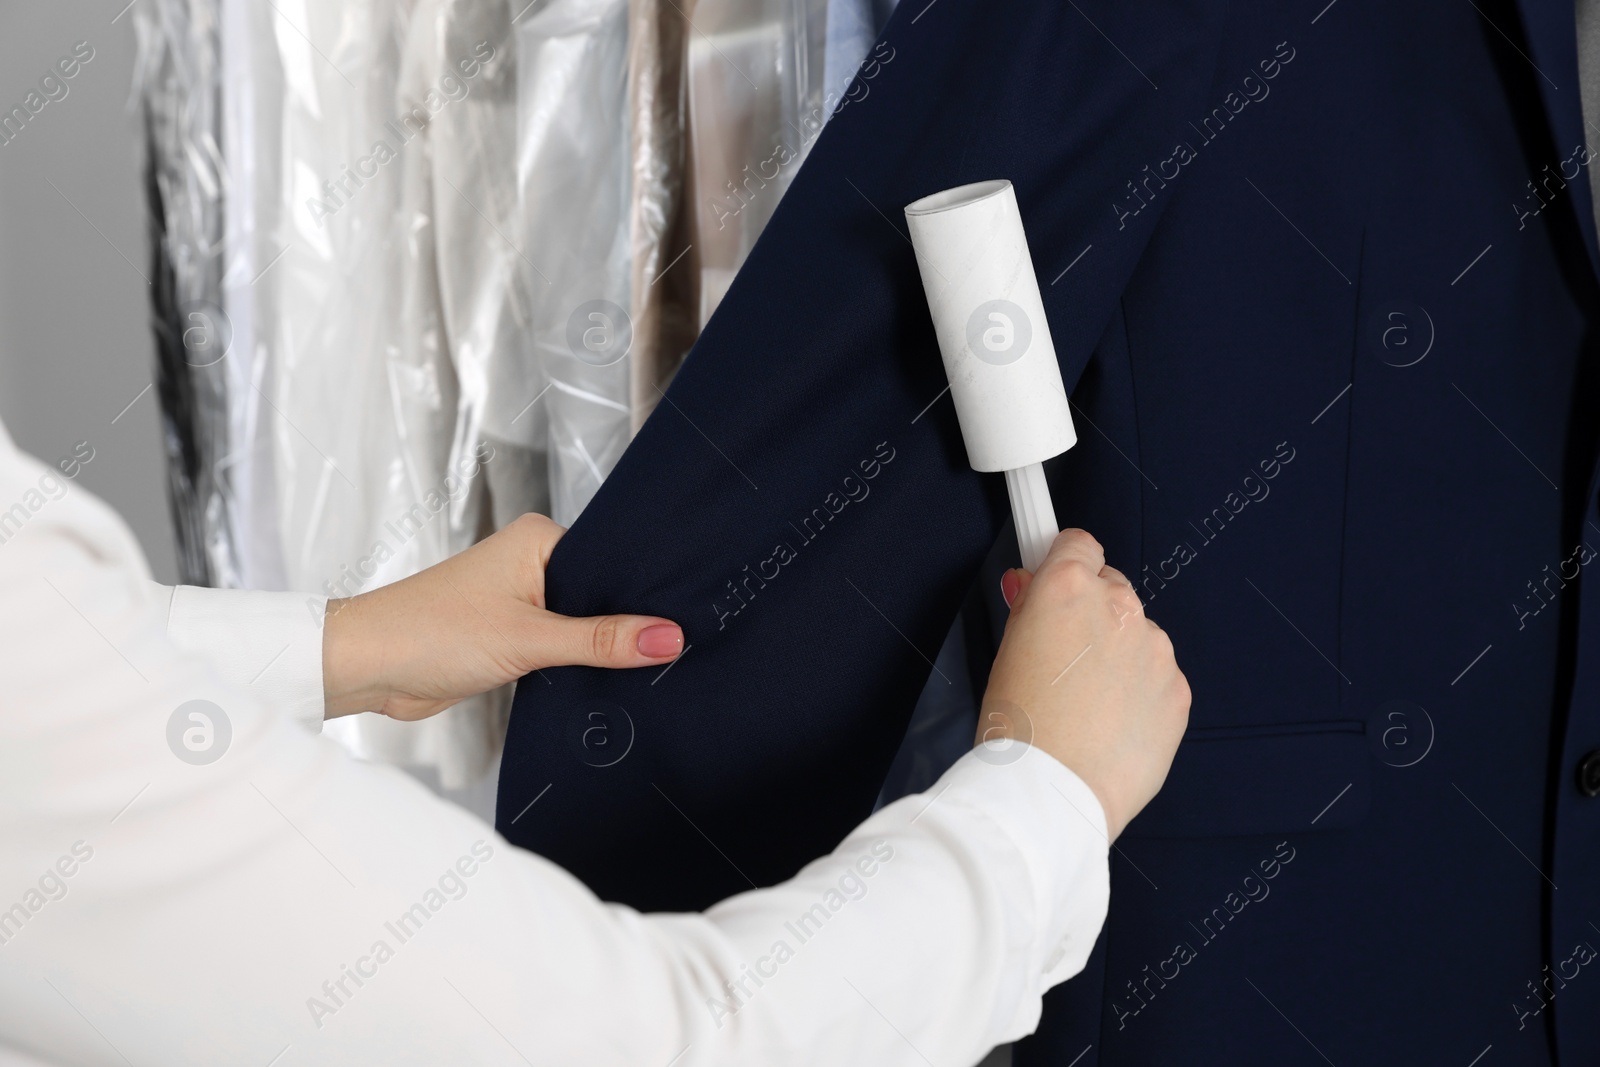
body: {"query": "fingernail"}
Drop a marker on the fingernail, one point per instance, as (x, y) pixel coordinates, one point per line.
(661, 640)
(1010, 585)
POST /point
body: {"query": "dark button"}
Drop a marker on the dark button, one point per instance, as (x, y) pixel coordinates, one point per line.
(1589, 774)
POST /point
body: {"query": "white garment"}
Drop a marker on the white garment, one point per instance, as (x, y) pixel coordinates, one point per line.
(155, 911)
(573, 172)
(363, 394)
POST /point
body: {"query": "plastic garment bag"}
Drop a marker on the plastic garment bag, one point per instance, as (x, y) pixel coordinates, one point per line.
(363, 396)
(346, 404)
(446, 252)
(210, 87)
(178, 85)
(664, 283)
(764, 77)
(252, 91)
(573, 179)
(459, 60)
(744, 76)
(484, 278)
(852, 26)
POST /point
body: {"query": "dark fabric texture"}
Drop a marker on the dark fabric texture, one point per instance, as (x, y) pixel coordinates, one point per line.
(1336, 422)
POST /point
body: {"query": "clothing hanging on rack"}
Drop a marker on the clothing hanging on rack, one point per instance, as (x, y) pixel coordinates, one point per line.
(764, 77)
(177, 84)
(363, 387)
(484, 279)
(427, 265)
(252, 95)
(663, 278)
(573, 182)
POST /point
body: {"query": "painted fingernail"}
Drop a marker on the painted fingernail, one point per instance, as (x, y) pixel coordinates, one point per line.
(660, 641)
(1010, 586)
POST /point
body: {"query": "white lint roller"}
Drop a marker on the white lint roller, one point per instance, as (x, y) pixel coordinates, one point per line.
(989, 318)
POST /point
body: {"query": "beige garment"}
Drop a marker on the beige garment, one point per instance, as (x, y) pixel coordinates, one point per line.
(756, 104)
(665, 275)
(1588, 15)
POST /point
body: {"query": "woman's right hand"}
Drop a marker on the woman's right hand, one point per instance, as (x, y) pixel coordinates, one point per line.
(1085, 676)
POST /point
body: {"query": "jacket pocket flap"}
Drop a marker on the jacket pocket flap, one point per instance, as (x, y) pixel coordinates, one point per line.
(1243, 781)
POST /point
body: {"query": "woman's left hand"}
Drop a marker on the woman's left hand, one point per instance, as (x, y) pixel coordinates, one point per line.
(469, 624)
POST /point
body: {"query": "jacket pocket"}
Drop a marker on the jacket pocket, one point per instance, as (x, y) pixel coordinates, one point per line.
(1238, 781)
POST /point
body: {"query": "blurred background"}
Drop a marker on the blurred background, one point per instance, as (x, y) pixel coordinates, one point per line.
(76, 358)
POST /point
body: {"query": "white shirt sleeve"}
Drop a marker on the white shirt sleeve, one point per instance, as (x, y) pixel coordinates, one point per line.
(232, 889)
(268, 642)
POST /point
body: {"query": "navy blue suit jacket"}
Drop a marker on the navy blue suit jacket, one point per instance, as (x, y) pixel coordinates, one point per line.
(1321, 278)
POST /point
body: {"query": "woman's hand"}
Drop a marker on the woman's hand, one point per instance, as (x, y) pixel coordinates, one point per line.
(469, 624)
(1085, 676)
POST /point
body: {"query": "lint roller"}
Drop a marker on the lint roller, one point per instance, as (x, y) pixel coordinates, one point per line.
(989, 318)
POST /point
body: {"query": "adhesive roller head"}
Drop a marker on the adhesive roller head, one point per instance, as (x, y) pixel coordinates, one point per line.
(990, 322)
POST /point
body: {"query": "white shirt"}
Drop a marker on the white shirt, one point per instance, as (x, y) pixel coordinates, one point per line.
(288, 905)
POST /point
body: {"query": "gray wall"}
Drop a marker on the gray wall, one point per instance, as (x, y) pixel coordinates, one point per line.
(75, 346)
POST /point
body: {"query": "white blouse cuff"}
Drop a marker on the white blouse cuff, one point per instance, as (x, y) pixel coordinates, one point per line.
(1060, 853)
(269, 643)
